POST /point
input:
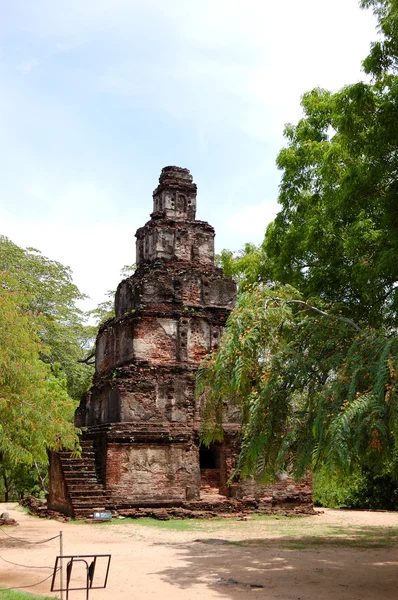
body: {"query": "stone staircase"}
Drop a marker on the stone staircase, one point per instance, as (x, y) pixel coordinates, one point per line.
(84, 486)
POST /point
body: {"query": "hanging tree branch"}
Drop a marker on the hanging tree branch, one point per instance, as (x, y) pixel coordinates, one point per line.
(323, 313)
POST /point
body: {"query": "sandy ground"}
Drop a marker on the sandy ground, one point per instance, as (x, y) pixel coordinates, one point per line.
(334, 555)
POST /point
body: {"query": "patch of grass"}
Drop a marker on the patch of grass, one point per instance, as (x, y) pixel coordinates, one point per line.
(327, 536)
(14, 595)
(273, 518)
(172, 524)
(211, 524)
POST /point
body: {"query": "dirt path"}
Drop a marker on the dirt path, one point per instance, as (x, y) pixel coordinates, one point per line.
(339, 555)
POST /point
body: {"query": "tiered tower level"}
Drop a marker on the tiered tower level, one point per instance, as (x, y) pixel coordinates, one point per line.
(141, 420)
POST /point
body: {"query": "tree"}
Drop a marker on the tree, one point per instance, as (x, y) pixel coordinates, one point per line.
(383, 56)
(18, 480)
(312, 360)
(36, 412)
(337, 232)
(247, 266)
(314, 388)
(42, 338)
(51, 293)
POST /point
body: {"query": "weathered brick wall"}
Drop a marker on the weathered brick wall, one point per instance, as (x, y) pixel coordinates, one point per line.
(141, 473)
(158, 339)
(284, 493)
(168, 240)
(144, 394)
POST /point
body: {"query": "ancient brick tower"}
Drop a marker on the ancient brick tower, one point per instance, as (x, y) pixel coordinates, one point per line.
(141, 420)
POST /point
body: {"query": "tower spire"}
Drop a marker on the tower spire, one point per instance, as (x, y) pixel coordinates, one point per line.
(175, 196)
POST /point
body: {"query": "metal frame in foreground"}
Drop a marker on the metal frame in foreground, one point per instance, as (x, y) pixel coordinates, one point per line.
(90, 570)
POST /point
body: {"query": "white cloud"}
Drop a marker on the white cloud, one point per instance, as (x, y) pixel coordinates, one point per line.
(252, 220)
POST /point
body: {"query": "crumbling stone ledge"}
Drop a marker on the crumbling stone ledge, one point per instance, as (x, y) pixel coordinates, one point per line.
(232, 512)
(232, 509)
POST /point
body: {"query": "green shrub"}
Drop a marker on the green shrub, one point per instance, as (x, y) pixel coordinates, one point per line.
(366, 488)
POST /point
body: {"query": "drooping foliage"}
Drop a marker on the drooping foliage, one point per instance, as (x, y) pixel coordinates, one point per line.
(313, 387)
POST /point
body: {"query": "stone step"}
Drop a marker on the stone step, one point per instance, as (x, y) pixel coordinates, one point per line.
(75, 484)
(89, 506)
(86, 493)
(82, 468)
(82, 465)
(93, 503)
(78, 461)
(76, 477)
(84, 484)
(122, 504)
(79, 467)
(83, 449)
(85, 488)
(72, 456)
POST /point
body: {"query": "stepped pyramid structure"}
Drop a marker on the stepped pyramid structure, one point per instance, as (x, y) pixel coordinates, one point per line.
(141, 420)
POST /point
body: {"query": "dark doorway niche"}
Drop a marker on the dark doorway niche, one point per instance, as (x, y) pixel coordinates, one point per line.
(210, 462)
(209, 458)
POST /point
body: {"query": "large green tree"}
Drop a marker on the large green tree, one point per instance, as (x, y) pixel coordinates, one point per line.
(43, 342)
(312, 359)
(52, 294)
(336, 235)
(336, 232)
(36, 411)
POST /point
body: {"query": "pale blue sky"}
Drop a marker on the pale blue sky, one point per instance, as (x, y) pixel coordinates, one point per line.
(96, 96)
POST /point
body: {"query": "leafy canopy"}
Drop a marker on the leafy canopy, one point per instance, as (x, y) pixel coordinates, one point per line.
(50, 292)
(383, 56)
(312, 360)
(36, 411)
(336, 234)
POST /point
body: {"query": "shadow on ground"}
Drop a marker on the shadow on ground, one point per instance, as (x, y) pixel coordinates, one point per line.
(362, 566)
(357, 537)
